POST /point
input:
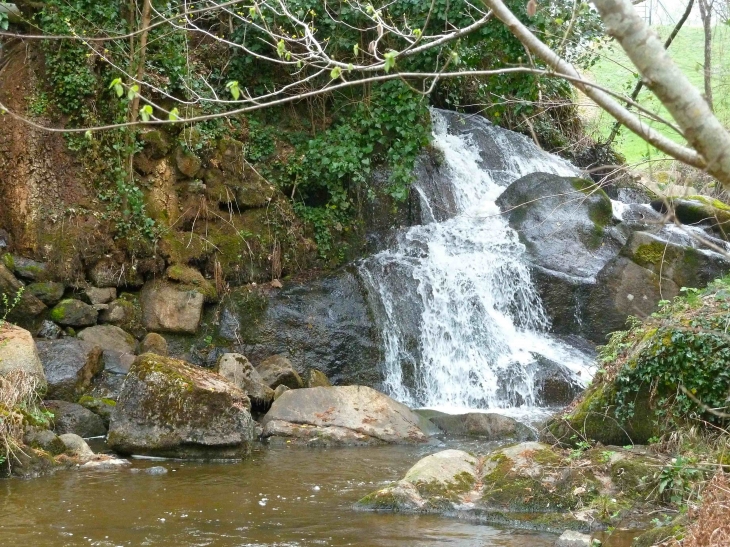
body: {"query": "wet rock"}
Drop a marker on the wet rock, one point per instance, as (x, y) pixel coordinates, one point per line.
(170, 408)
(436, 482)
(74, 313)
(323, 323)
(317, 378)
(28, 306)
(108, 273)
(69, 365)
(277, 370)
(101, 406)
(106, 386)
(109, 337)
(344, 415)
(156, 470)
(105, 463)
(74, 418)
(19, 354)
(698, 210)
(98, 295)
(491, 426)
(279, 391)
(166, 308)
(570, 538)
(153, 343)
(76, 447)
(44, 439)
(49, 292)
(235, 368)
(126, 313)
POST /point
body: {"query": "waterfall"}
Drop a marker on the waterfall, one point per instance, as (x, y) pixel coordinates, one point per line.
(461, 322)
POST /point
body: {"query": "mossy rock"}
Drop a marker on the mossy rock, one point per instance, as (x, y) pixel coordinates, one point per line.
(48, 292)
(74, 313)
(191, 278)
(101, 406)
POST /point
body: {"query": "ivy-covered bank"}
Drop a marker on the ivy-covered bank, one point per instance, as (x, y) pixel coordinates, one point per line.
(280, 190)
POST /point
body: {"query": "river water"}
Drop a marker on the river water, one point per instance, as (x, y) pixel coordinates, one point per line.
(281, 497)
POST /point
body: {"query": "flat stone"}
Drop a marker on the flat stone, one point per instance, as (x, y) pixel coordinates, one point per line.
(116, 362)
(570, 538)
(109, 337)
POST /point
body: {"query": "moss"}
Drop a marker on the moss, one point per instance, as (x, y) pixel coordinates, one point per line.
(448, 490)
(9, 261)
(382, 500)
(658, 535)
(58, 313)
(192, 279)
(650, 254)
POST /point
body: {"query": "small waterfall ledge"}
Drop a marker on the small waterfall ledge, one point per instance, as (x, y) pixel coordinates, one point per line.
(461, 322)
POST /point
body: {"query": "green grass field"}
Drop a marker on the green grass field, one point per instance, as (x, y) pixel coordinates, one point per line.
(614, 71)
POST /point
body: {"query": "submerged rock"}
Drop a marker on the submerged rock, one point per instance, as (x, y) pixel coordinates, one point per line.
(355, 415)
(70, 365)
(277, 370)
(571, 538)
(487, 425)
(170, 408)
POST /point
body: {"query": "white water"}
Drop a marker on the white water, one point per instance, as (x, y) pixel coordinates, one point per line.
(459, 315)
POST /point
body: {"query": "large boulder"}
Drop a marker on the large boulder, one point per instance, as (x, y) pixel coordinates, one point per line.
(70, 365)
(353, 415)
(278, 370)
(170, 408)
(19, 354)
(74, 418)
(487, 425)
(235, 368)
(170, 308)
(74, 313)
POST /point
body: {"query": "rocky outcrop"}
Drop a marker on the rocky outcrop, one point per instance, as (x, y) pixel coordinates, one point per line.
(235, 368)
(170, 408)
(528, 485)
(70, 365)
(169, 308)
(19, 354)
(348, 415)
(593, 265)
(74, 418)
(486, 425)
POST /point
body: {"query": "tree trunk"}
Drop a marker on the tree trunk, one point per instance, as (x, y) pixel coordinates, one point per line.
(706, 16)
(688, 107)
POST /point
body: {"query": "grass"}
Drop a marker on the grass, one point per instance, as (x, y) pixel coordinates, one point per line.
(615, 72)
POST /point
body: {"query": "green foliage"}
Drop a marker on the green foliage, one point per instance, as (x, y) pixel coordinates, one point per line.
(684, 346)
(4, 24)
(9, 305)
(677, 479)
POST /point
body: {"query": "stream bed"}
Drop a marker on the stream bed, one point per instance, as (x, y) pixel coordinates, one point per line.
(281, 496)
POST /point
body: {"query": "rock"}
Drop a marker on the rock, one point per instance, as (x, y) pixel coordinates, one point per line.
(235, 368)
(28, 306)
(30, 269)
(74, 313)
(126, 313)
(317, 378)
(69, 365)
(49, 292)
(491, 426)
(116, 362)
(698, 210)
(156, 470)
(435, 482)
(109, 337)
(187, 162)
(170, 408)
(344, 415)
(98, 295)
(277, 370)
(279, 391)
(44, 439)
(74, 418)
(570, 538)
(49, 330)
(323, 323)
(76, 447)
(168, 309)
(106, 463)
(101, 406)
(108, 273)
(106, 386)
(153, 343)
(156, 142)
(191, 279)
(19, 354)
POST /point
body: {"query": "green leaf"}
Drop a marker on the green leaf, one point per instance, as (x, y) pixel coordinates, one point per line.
(145, 112)
(280, 48)
(417, 32)
(116, 85)
(133, 91)
(88, 135)
(233, 88)
(174, 115)
(335, 73)
(389, 60)
(356, 49)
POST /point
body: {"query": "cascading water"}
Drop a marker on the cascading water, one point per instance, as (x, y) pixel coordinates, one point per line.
(460, 319)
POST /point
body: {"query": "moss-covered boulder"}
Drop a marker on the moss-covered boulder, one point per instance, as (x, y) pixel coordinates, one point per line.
(126, 313)
(74, 313)
(170, 408)
(48, 292)
(698, 210)
(190, 278)
(23, 306)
